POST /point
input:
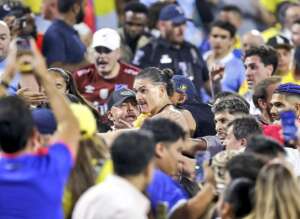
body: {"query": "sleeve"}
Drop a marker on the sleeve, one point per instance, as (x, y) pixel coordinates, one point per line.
(163, 189)
(61, 159)
(53, 48)
(142, 57)
(205, 74)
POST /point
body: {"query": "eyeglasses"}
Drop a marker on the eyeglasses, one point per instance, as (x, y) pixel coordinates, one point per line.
(103, 50)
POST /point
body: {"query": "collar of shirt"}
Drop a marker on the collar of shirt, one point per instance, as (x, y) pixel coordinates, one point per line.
(64, 25)
(133, 191)
(167, 44)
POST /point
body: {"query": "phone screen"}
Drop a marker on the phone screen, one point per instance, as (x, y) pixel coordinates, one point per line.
(201, 157)
(289, 128)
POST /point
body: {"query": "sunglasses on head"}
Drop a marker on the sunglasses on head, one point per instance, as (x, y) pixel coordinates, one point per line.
(103, 50)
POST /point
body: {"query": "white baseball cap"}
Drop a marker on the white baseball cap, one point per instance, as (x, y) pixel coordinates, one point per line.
(106, 37)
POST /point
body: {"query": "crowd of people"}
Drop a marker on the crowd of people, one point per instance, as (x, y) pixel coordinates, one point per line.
(149, 109)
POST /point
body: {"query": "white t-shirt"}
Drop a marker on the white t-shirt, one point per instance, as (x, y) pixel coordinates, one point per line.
(293, 157)
(115, 198)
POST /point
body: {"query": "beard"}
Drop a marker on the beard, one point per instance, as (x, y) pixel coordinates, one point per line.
(80, 16)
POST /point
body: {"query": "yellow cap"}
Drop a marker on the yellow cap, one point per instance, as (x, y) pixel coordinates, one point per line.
(86, 120)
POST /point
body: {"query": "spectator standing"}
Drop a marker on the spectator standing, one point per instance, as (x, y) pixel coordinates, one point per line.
(262, 96)
(120, 195)
(25, 174)
(134, 34)
(123, 109)
(172, 51)
(221, 38)
(284, 49)
(260, 63)
(98, 80)
(62, 46)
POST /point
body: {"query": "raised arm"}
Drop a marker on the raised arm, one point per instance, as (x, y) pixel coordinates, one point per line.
(68, 130)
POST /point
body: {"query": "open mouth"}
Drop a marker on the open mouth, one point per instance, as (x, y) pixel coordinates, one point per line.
(101, 63)
(143, 106)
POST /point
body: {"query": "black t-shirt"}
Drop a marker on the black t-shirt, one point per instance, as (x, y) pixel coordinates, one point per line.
(185, 60)
(204, 118)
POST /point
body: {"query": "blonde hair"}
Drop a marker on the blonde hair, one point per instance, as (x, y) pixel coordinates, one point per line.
(277, 194)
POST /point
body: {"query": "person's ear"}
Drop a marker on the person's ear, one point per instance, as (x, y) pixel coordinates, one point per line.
(243, 142)
(159, 150)
(161, 25)
(262, 104)
(226, 211)
(182, 98)
(270, 70)
(110, 116)
(118, 53)
(148, 172)
(297, 108)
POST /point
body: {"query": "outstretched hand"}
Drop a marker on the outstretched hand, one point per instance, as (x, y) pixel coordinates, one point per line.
(217, 72)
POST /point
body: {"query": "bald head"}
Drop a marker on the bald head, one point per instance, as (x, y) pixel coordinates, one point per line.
(250, 39)
(4, 40)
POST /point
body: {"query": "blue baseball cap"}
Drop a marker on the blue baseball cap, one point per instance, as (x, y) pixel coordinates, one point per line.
(174, 13)
(288, 88)
(185, 86)
(44, 120)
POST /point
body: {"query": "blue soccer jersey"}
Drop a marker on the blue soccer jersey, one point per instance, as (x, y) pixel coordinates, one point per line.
(32, 185)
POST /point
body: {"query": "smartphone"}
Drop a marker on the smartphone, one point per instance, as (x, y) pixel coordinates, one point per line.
(24, 49)
(201, 158)
(289, 128)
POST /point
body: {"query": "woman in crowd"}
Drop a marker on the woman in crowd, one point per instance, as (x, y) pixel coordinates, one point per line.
(92, 164)
(277, 194)
(153, 88)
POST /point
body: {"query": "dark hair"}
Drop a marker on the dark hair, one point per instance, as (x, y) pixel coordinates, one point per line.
(232, 8)
(226, 26)
(73, 93)
(83, 175)
(267, 55)
(66, 5)
(16, 124)
(229, 95)
(136, 7)
(158, 76)
(260, 90)
(239, 194)
(245, 127)
(233, 105)
(131, 152)
(245, 165)
(164, 130)
(265, 147)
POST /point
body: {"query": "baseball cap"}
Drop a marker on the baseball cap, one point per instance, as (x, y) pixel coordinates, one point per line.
(290, 88)
(185, 86)
(119, 96)
(279, 42)
(44, 120)
(86, 119)
(106, 37)
(172, 13)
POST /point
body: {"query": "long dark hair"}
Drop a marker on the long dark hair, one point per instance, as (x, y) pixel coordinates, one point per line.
(84, 173)
(73, 90)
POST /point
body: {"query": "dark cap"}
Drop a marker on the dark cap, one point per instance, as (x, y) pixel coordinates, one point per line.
(289, 88)
(280, 42)
(119, 96)
(44, 120)
(185, 86)
(172, 13)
